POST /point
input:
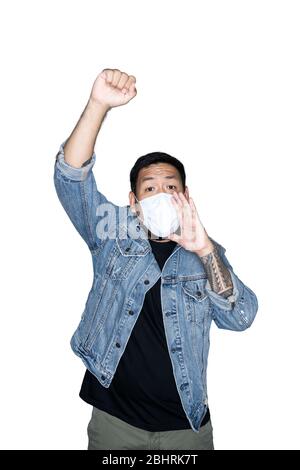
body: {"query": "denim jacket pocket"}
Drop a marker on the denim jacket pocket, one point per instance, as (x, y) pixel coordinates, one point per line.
(124, 256)
(196, 301)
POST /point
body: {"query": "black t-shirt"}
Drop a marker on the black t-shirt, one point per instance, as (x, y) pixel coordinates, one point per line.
(143, 391)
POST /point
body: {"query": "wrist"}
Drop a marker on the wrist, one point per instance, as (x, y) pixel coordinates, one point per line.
(209, 248)
(98, 105)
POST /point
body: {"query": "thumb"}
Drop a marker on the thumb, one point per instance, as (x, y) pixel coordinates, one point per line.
(132, 89)
(174, 237)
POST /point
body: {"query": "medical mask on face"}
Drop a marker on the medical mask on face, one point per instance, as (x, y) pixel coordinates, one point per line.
(159, 214)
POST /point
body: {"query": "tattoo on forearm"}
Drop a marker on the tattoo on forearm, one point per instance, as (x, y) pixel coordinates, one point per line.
(217, 273)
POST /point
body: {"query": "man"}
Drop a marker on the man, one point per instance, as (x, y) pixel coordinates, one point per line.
(159, 281)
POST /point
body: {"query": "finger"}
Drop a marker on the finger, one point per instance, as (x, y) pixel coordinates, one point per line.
(183, 199)
(193, 207)
(192, 204)
(131, 88)
(177, 199)
(186, 212)
(179, 211)
(194, 211)
(116, 77)
(194, 214)
(109, 75)
(186, 207)
(123, 80)
(187, 221)
(132, 77)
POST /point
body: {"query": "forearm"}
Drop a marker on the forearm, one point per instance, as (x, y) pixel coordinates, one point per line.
(79, 147)
(217, 273)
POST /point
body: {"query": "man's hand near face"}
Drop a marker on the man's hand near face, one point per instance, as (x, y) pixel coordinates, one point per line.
(193, 237)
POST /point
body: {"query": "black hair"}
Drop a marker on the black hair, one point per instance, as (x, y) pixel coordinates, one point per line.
(149, 159)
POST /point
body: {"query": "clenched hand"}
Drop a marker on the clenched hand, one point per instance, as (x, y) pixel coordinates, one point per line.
(113, 88)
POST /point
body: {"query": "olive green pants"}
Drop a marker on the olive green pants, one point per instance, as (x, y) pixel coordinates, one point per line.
(110, 433)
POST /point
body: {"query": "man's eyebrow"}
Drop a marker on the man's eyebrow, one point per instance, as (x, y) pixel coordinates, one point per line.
(146, 178)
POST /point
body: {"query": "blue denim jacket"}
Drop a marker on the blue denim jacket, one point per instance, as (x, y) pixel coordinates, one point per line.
(124, 270)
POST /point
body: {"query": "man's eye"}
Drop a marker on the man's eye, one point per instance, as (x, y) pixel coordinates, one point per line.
(149, 188)
(172, 186)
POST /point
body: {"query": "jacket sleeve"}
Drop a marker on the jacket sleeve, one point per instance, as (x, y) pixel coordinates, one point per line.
(77, 191)
(237, 311)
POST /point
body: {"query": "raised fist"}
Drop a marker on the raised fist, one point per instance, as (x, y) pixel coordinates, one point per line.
(113, 88)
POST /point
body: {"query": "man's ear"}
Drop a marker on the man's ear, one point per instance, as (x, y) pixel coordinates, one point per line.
(132, 201)
(186, 193)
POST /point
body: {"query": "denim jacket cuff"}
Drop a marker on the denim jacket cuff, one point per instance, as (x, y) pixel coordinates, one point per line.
(71, 172)
(222, 302)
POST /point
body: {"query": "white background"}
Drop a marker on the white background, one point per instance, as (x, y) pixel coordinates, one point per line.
(218, 87)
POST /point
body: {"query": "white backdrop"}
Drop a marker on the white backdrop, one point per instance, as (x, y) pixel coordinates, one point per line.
(218, 88)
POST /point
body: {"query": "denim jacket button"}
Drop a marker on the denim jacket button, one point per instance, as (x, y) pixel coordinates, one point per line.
(146, 281)
(118, 345)
(131, 312)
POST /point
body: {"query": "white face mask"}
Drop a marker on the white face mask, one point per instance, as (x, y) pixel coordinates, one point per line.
(160, 216)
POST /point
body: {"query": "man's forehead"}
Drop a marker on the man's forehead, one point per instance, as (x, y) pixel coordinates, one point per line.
(158, 169)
